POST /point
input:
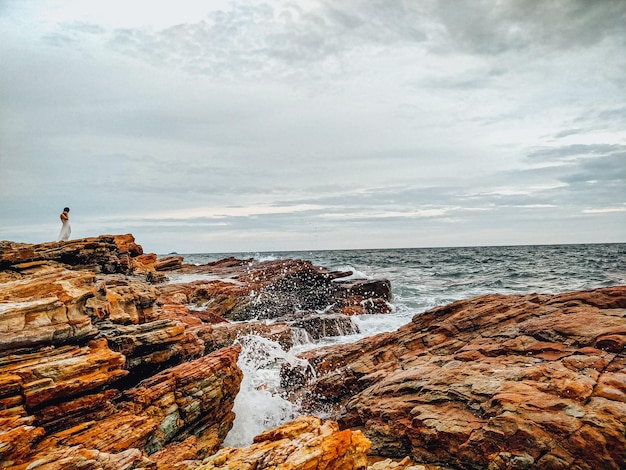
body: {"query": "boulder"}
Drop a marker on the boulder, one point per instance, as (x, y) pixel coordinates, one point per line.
(306, 443)
(168, 263)
(498, 382)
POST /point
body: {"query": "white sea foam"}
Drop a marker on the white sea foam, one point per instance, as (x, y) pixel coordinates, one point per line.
(258, 405)
(356, 274)
(265, 257)
(370, 325)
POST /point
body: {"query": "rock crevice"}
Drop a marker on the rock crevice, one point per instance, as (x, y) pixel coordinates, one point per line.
(103, 365)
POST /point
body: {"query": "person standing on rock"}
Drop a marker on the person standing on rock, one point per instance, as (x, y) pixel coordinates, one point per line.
(65, 228)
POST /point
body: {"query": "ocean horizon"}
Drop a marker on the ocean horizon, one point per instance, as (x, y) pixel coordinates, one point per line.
(505, 245)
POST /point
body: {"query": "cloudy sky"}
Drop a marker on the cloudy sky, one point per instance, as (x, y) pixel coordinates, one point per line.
(213, 126)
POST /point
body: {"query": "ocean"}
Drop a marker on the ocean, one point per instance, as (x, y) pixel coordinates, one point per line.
(421, 278)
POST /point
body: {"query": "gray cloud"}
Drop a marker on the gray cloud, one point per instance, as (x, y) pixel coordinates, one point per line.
(258, 39)
(284, 126)
(487, 27)
(575, 150)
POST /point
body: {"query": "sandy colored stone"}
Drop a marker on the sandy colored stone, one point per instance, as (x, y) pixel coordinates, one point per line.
(43, 306)
(307, 443)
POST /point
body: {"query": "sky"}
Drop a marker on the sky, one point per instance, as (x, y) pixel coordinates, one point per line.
(231, 126)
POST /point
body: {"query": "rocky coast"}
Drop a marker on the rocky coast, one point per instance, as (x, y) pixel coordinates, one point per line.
(104, 364)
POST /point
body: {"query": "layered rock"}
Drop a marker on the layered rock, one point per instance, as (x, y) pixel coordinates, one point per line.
(498, 382)
(99, 369)
(106, 253)
(306, 443)
(62, 413)
(44, 305)
(102, 369)
(90, 375)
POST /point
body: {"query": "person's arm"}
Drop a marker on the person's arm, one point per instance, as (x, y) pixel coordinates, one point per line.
(64, 216)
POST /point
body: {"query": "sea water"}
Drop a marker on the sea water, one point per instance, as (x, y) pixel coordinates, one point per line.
(421, 278)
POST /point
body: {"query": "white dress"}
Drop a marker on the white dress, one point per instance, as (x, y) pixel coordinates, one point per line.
(65, 231)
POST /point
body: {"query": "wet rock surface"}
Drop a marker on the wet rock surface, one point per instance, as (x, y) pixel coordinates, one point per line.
(241, 290)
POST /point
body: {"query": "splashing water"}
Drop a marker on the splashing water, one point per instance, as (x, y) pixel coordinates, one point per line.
(421, 278)
(259, 406)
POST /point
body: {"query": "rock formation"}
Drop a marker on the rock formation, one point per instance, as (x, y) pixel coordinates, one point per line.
(307, 442)
(497, 382)
(105, 365)
(102, 367)
(245, 289)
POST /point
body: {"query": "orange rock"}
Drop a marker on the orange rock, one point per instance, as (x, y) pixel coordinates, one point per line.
(168, 263)
(43, 307)
(308, 443)
(126, 244)
(79, 458)
(105, 254)
(177, 456)
(17, 436)
(523, 381)
(66, 371)
(192, 399)
(225, 334)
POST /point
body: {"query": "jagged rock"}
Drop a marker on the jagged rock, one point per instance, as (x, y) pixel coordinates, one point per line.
(72, 342)
(306, 443)
(95, 373)
(215, 297)
(106, 253)
(225, 334)
(285, 331)
(17, 435)
(364, 296)
(79, 458)
(168, 263)
(152, 345)
(224, 268)
(192, 399)
(366, 288)
(122, 300)
(320, 325)
(389, 464)
(49, 305)
(243, 290)
(498, 382)
(72, 411)
(282, 287)
(61, 372)
(44, 306)
(178, 456)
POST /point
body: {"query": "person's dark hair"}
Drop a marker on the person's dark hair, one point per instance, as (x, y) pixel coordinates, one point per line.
(66, 209)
